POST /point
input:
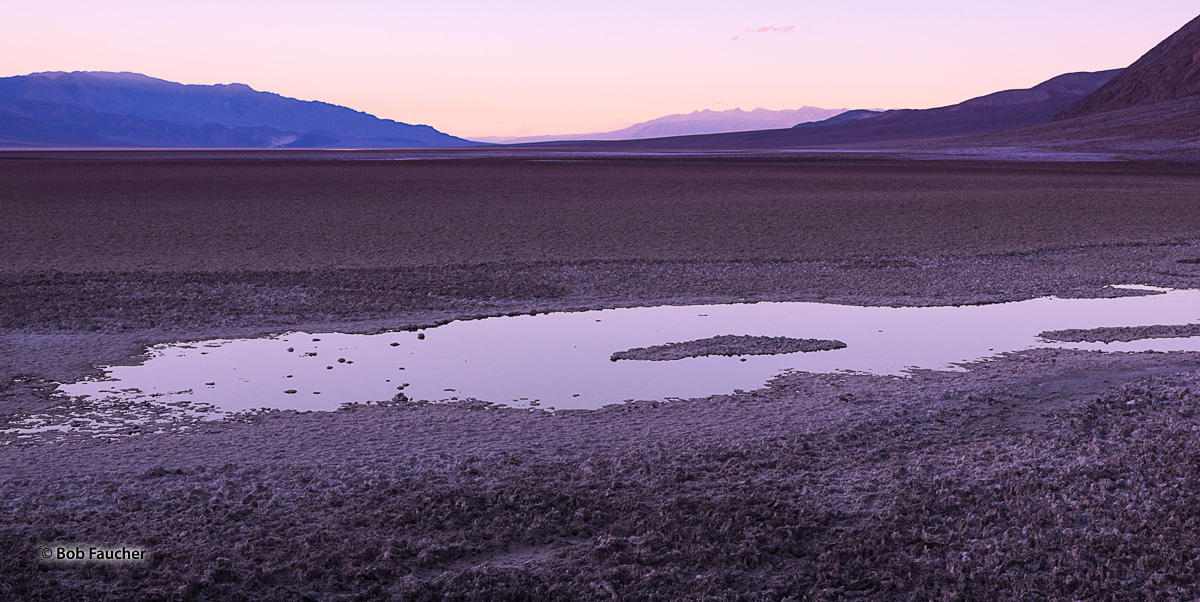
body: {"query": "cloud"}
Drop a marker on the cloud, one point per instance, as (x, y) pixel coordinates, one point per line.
(764, 29)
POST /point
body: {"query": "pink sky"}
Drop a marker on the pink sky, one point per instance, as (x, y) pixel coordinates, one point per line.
(522, 67)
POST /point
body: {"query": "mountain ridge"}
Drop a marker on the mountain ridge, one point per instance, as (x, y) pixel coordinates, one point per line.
(1169, 71)
(1152, 107)
(1003, 110)
(131, 109)
(704, 121)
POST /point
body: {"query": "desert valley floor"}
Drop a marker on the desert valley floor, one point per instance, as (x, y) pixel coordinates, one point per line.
(1041, 475)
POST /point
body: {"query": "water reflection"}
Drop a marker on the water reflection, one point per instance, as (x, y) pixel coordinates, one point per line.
(562, 360)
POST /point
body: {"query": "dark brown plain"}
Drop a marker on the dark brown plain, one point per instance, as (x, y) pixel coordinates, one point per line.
(214, 215)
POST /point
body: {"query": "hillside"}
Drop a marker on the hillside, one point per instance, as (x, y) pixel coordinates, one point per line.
(1153, 107)
(1169, 71)
(1171, 127)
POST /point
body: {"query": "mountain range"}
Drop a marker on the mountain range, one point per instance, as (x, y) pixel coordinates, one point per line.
(998, 111)
(696, 122)
(101, 109)
(1153, 105)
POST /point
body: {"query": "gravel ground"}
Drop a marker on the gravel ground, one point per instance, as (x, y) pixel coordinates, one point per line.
(1044, 475)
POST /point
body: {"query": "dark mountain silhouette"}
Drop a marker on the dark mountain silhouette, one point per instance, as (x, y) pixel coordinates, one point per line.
(1004, 110)
(129, 109)
(696, 122)
(1170, 71)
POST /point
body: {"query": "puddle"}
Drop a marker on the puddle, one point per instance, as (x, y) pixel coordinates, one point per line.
(562, 360)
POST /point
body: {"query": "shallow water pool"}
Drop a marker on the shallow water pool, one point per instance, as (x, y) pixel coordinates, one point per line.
(561, 360)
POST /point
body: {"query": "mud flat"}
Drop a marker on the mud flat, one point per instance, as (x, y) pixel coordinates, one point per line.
(1049, 475)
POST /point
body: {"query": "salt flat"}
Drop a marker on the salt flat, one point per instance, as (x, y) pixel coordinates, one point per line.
(817, 486)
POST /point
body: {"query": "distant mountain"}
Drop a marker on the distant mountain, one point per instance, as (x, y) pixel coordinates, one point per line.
(1004, 110)
(854, 115)
(1169, 71)
(129, 109)
(696, 122)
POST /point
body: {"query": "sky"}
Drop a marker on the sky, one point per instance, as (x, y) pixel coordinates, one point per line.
(529, 67)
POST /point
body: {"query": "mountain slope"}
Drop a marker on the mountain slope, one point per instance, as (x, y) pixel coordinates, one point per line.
(71, 125)
(1151, 107)
(1171, 126)
(696, 122)
(1004, 110)
(1169, 71)
(131, 109)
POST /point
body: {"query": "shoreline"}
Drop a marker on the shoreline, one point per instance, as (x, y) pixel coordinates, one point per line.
(68, 322)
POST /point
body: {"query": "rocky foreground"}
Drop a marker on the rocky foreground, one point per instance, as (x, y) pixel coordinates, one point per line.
(1035, 477)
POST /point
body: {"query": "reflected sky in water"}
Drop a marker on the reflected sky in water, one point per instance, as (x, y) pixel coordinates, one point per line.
(561, 360)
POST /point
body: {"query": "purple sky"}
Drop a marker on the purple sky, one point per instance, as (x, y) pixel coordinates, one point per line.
(525, 67)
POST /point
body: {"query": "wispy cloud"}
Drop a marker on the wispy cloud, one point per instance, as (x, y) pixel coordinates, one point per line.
(763, 29)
